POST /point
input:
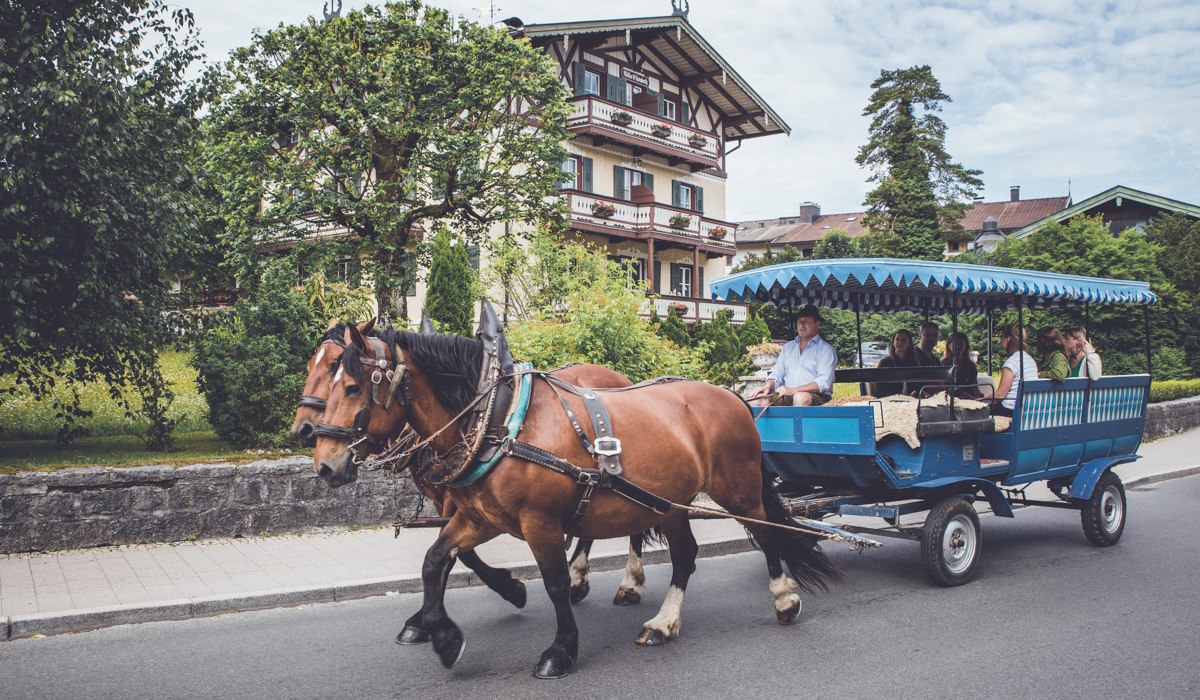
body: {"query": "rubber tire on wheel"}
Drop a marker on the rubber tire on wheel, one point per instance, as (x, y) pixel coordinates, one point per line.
(1103, 514)
(951, 542)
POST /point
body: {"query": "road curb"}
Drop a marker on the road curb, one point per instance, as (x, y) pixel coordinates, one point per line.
(1162, 476)
(65, 622)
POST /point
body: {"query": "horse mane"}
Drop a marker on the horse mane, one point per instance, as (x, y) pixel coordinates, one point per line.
(451, 361)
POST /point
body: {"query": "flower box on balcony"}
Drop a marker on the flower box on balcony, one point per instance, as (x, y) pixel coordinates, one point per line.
(662, 131)
(681, 308)
(680, 221)
(697, 141)
(602, 210)
(718, 232)
(622, 118)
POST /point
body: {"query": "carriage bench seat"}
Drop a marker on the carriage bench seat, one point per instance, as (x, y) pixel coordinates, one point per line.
(933, 374)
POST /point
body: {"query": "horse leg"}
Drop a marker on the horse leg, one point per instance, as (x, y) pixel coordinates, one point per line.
(630, 590)
(500, 580)
(579, 571)
(447, 638)
(665, 625)
(546, 545)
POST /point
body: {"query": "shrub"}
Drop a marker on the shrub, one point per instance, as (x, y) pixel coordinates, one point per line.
(252, 372)
(453, 286)
(724, 354)
(673, 329)
(1175, 389)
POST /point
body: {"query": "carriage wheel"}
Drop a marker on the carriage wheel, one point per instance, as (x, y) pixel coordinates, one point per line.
(1103, 514)
(950, 542)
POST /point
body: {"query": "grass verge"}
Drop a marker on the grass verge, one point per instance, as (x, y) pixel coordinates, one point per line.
(126, 451)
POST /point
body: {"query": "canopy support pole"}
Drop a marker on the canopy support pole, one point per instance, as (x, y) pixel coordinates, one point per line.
(1021, 356)
(1146, 320)
(991, 366)
(862, 386)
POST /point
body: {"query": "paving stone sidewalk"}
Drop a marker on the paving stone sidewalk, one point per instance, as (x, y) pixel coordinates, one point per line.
(75, 590)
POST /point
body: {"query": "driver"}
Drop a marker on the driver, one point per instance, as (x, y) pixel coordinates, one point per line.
(804, 371)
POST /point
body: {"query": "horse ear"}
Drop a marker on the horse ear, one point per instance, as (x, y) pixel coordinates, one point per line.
(333, 323)
(426, 323)
(366, 327)
(489, 322)
(354, 336)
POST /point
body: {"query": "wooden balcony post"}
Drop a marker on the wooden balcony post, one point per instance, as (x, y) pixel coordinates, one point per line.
(696, 274)
(650, 265)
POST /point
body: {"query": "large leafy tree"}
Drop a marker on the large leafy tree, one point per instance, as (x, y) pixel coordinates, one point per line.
(95, 126)
(378, 123)
(920, 193)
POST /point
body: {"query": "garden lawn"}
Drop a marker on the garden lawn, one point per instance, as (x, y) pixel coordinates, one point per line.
(126, 451)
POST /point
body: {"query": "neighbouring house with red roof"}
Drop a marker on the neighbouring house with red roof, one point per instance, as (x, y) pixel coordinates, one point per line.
(1121, 207)
(990, 221)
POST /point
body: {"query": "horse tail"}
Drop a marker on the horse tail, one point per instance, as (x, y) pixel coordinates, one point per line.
(801, 551)
(653, 536)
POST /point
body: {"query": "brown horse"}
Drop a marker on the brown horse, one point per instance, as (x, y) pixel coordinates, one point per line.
(321, 368)
(678, 439)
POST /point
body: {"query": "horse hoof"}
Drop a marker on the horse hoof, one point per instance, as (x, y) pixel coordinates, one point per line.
(651, 637)
(412, 635)
(451, 649)
(787, 617)
(517, 595)
(578, 593)
(627, 596)
(551, 666)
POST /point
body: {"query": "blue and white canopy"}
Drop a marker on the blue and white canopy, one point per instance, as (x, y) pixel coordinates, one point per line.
(880, 284)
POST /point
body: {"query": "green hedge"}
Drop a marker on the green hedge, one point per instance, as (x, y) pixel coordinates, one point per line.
(1176, 389)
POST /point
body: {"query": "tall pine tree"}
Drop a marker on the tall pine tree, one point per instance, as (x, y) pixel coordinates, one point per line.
(453, 283)
(920, 195)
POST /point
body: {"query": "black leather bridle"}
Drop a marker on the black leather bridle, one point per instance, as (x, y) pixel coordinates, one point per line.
(397, 392)
(317, 402)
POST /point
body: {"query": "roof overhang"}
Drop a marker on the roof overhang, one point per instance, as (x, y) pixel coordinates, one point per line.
(674, 41)
(1165, 203)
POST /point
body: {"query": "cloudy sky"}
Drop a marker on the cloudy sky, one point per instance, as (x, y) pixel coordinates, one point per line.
(1045, 92)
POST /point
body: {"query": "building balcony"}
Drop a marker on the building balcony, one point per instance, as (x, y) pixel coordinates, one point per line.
(639, 221)
(593, 116)
(691, 310)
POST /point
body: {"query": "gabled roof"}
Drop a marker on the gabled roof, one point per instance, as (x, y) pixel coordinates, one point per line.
(673, 40)
(1153, 200)
(1011, 216)
(851, 223)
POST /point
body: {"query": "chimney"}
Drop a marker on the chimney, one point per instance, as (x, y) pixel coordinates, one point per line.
(1014, 193)
(979, 199)
(809, 212)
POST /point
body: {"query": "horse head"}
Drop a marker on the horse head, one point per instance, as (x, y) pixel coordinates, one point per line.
(321, 367)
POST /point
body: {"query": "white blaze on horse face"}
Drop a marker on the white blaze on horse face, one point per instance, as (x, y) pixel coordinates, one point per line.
(785, 599)
(635, 575)
(317, 360)
(668, 618)
(338, 376)
(579, 569)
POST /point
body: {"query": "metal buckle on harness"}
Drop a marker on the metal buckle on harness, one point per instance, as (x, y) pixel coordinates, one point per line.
(376, 377)
(606, 446)
(587, 478)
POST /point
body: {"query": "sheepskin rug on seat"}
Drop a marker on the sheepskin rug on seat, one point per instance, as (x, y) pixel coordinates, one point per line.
(897, 415)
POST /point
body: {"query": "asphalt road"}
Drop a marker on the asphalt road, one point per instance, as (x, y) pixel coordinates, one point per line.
(1047, 616)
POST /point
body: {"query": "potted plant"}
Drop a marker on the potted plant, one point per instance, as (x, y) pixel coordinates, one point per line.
(621, 118)
(680, 221)
(661, 130)
(718, 232)
(764, 355)
(680, 308)
(697, 141)
(603, 210)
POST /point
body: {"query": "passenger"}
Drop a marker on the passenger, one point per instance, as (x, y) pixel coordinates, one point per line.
(901, 353)
(928, 343)
(1012, 340)
(1054, 356)
(803, 373)
(1082, 358)
(966, 374)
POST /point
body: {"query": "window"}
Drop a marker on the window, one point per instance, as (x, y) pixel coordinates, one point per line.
(668, 109)
(687, 196)
(635, 266)
(591, 83)
(624, 180)
(681, 280)
(572, 169)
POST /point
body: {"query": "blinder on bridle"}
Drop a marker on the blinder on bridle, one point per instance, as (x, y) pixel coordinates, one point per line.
(317, 402)
(396, 392)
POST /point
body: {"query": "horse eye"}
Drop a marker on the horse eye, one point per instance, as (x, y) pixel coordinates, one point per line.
(352, 390)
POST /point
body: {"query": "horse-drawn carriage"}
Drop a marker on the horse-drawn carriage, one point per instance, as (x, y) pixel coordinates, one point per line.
(1067, 435)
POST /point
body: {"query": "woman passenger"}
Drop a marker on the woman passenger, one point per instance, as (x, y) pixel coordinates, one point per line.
(1054, 356)
(1082, 358)
(901, 353)
(1012, 340)
(966, 374)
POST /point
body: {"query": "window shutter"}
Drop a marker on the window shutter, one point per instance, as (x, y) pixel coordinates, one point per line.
(648, 181)
(699, 199)
(675, 198)
(700, 291)
(587, 174)
(684, 112)
(662, 109)
(579, 79)
(657, 276)
(616, 90)
(473, 255)
(619, 182)
(676, 276)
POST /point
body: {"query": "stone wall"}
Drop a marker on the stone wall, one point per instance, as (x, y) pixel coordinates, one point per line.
(1170, 417)
(98, 505)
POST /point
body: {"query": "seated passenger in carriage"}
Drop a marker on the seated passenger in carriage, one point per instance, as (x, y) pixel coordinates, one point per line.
(1017, 368)
(966, 374)
(1082, 358)
(901, 353)
(928, 340)
(803, 374)
(1054, 357)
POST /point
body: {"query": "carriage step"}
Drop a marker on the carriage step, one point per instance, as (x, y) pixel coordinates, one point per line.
(990, 464)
